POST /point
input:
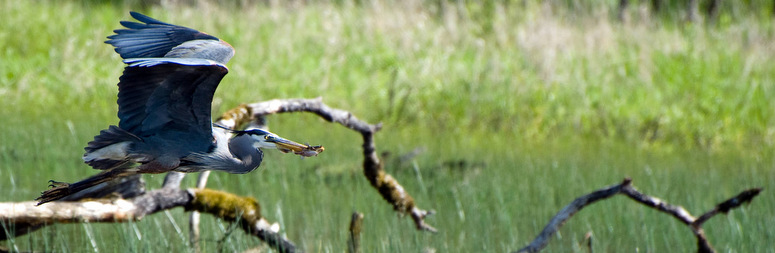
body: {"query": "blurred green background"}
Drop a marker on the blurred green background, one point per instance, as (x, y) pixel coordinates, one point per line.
(521, 106)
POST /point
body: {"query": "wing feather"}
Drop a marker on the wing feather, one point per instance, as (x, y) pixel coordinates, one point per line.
(151, 38)
(161, 94)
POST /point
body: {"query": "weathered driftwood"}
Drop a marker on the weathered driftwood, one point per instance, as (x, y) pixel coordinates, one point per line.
(20, 217)
(128, 187)
(626, 188)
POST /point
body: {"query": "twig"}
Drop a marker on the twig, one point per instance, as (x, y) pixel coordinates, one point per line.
(703, 245)
(742, 198)
(589, 237)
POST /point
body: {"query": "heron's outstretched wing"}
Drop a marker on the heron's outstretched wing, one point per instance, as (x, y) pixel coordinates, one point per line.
(152, 38)
(156, 94)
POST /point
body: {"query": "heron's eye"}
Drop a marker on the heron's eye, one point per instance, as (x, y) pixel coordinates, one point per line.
(266, 137)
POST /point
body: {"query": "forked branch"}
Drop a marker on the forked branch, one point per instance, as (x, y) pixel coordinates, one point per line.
(373, 168)
(626, 188)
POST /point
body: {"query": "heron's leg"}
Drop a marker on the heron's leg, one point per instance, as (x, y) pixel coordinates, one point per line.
(53, 183)
(173, 179)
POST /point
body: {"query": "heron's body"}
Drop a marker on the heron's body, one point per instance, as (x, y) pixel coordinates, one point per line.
(164, 116)
(164, 110)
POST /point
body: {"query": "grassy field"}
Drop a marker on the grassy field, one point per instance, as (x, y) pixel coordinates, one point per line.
(540, 106)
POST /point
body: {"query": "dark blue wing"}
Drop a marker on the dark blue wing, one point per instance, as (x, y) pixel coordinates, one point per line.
(157, 95)
(152, 38)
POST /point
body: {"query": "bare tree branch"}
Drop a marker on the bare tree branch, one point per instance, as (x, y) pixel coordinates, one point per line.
(126, 187)
(676, 211)
(23, 215)
(223, 205)
(568, 211)
(373, 168)
(695, 224)
(626, 188)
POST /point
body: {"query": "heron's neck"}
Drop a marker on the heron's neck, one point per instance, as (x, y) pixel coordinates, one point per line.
(249, 157)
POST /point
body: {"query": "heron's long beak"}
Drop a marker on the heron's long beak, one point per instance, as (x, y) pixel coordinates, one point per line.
(286, 145)
(298, 149)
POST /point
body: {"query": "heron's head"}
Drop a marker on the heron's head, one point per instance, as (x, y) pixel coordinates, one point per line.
(266, 139)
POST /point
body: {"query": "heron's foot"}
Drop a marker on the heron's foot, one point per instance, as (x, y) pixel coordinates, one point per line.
(55, 184)
(58, 190)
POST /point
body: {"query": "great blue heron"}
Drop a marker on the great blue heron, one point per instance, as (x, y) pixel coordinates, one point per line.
(164, 103)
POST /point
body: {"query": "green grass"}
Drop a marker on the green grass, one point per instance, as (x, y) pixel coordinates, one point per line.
(541, 106)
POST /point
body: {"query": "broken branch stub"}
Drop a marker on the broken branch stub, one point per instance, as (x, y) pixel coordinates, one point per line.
(356, 226)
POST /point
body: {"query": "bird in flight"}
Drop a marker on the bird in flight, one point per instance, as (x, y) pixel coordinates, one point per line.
(164, 110)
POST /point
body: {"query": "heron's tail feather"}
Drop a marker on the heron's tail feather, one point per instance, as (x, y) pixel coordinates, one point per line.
(108, 137)
(60, 190)
(105, 164)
